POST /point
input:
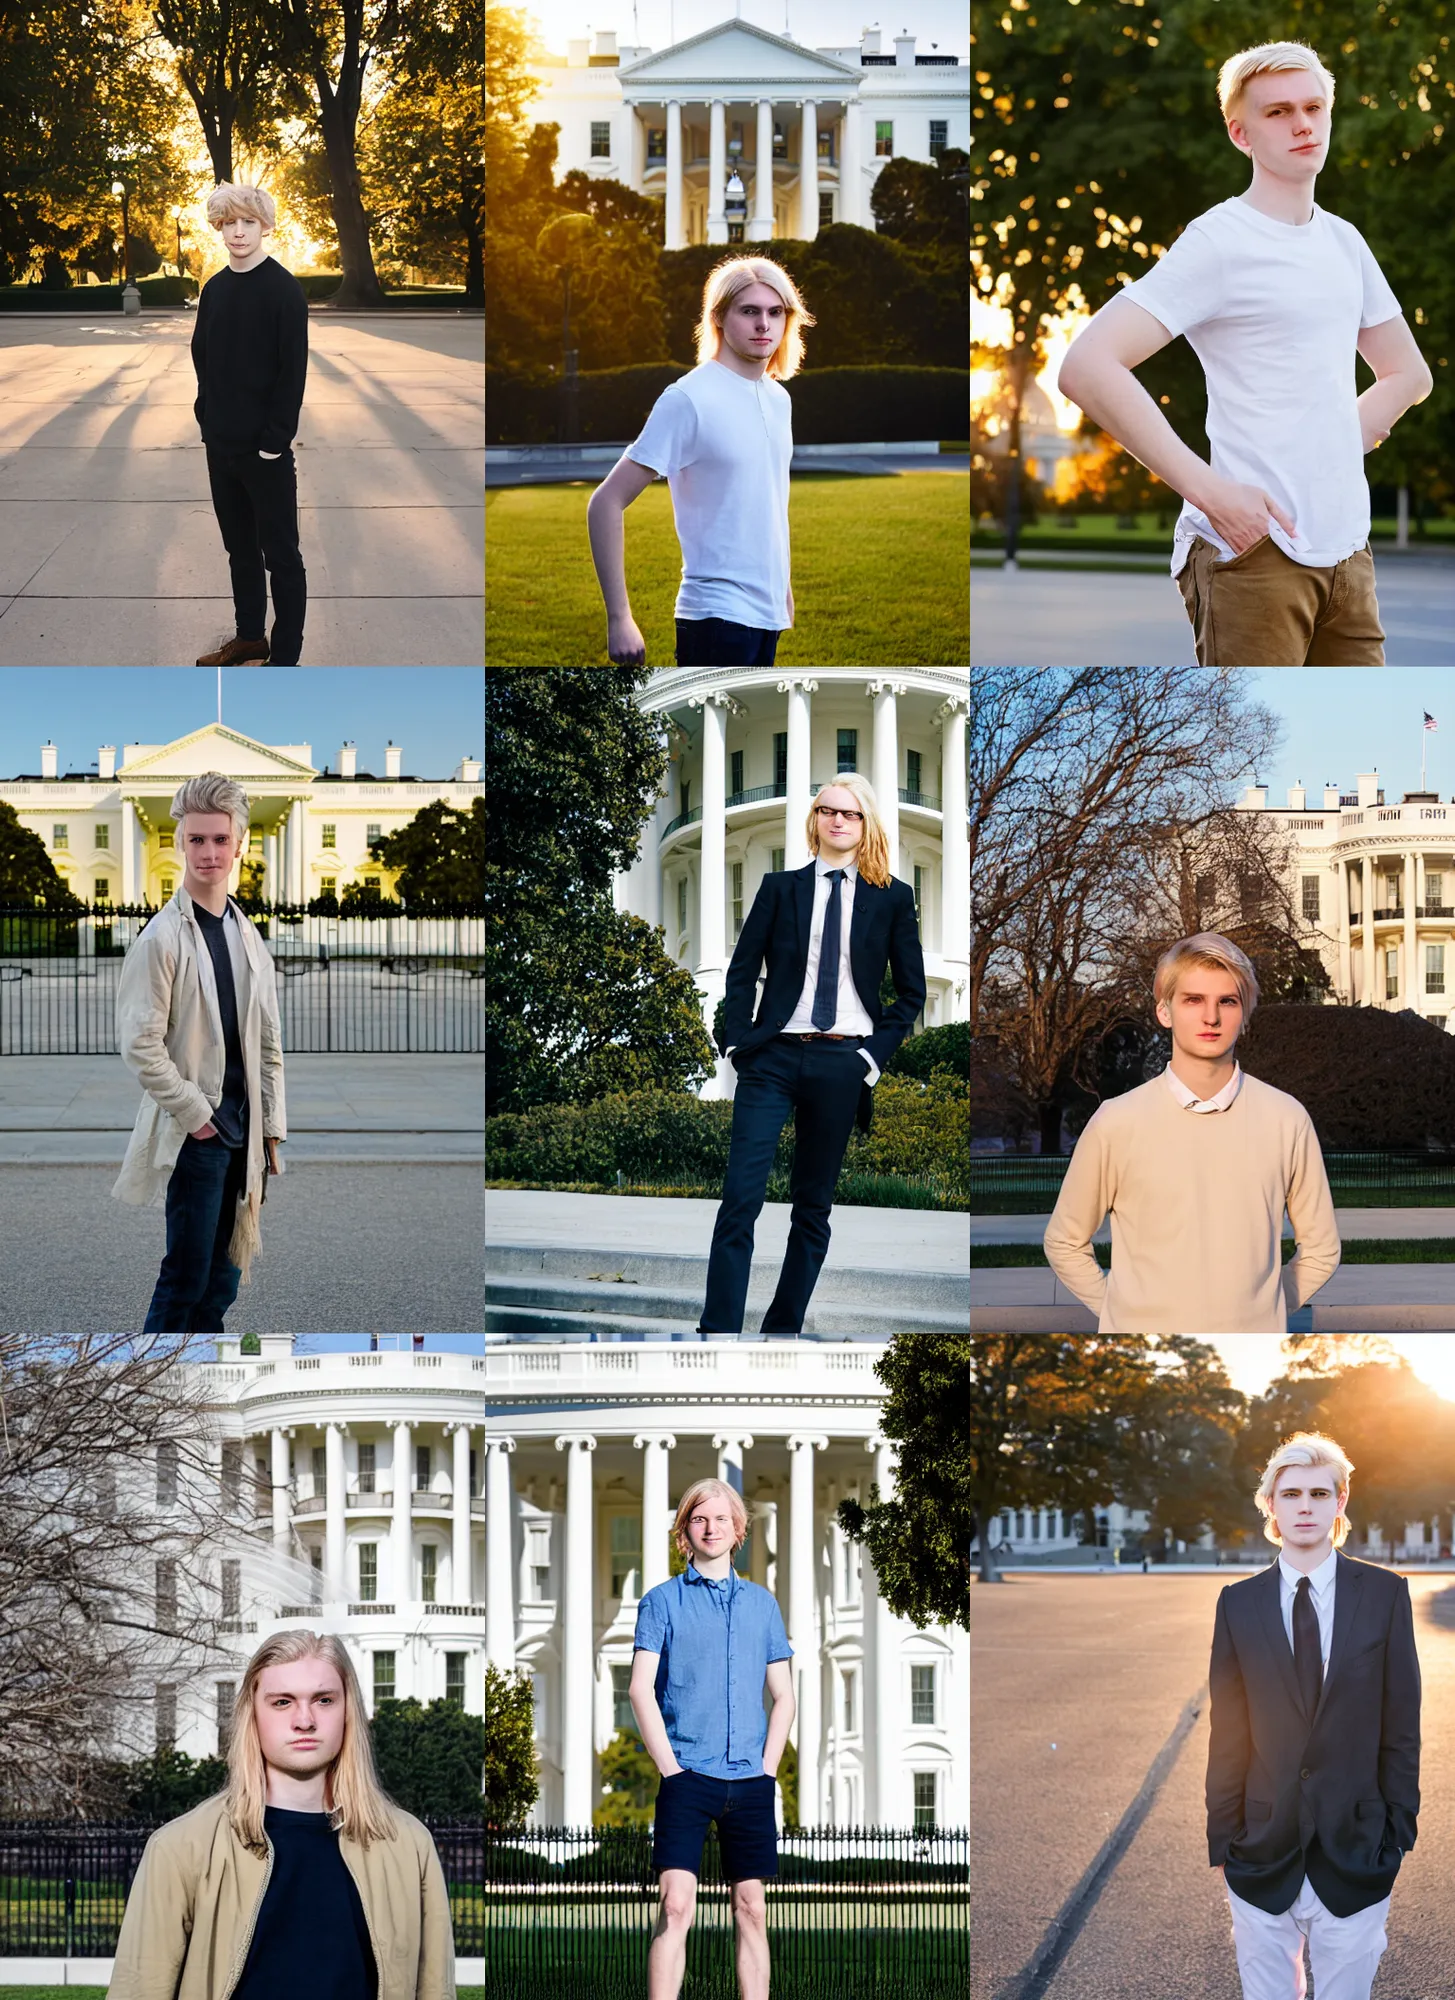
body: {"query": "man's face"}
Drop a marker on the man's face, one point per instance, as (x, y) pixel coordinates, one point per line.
(302, 1701)
(242, 234)
(753, 324)
(710, 1528)
(1306, 1504)
(210, 846)
(1204, 1012)
(838, 836)
(1283, 123)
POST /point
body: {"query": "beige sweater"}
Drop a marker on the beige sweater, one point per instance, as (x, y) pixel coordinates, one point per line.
(1196, 1204)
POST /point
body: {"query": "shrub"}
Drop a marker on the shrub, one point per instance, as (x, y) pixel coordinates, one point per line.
(1367, 1078)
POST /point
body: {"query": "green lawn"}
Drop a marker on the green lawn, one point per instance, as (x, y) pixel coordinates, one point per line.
(879, 574)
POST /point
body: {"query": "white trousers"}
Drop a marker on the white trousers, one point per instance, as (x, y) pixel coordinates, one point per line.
(1344, 1951)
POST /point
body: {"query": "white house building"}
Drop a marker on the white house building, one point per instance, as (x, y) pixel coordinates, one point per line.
(749, 748)
(108, 832)
(588, 1451)
(1376, 891)
(745, 135)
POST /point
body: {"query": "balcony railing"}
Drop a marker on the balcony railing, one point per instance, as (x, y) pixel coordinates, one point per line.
(775, 794)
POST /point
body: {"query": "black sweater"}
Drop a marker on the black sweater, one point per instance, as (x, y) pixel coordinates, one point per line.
(311, 1936)
(250, 350)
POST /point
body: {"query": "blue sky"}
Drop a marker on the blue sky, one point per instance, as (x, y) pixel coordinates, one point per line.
(1339, 721)
(811, 23)
(437, 714)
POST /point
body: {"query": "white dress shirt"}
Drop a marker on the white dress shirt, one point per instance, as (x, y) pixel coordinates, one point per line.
(849, 1015)
(1189, 1099)
(1320, 1589)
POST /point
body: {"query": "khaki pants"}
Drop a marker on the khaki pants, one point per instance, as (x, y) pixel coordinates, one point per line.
(1262, 609)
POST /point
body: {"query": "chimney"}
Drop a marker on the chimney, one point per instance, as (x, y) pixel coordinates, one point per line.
(348, 759)
(1368, 784)
(229, 1347)
(275, 1347)
(578, 50)
(106, 761)
(606, 41)
(467, 771)
(869, 41)
(1331, 798)
(391, 759)
(48, 760)
(1297, 798)
(904, 51)
(1254, 799)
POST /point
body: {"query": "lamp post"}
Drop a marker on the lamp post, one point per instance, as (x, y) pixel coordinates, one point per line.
(119, 187)
(561, 241)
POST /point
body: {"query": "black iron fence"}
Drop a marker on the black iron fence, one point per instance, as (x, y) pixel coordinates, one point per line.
(374, 982)
(853, 1914)
(63, 1887)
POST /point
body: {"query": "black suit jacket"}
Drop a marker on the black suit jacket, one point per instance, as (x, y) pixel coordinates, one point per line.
(883, 931)
(1335, 1795)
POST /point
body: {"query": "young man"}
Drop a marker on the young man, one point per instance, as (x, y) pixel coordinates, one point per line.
(817, 1044)
(250, 350)
(1196, 1169)
(197, 1024)
(303, 1876)
(722, 437)
(1313, 1767)
(706, 1642)
(1274, 295)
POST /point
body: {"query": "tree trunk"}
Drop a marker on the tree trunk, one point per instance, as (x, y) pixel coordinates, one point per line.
(1050, 1116)
(360, 285)
(988, 1572)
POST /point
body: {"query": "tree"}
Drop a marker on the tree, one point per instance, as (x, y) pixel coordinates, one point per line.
(925, 202)
(429, 1756)
(438, 857)
(424, 154)
(629, 1781)
(27, 873)
(512, 1780)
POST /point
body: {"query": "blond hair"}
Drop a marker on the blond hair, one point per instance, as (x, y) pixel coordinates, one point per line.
(1217, 954)
(700, 1489)
(230, 198)
(871, 856)
(1304, 1448)
(734, 275)
(1234, 75)
(358, 1806)
(210, 793)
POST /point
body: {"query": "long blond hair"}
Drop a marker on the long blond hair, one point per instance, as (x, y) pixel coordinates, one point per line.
(871, 856)
(358, 1805)
(707, 1489)
(734, 275)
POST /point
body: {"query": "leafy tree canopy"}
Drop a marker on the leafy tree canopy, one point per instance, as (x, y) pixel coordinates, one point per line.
(439, 855)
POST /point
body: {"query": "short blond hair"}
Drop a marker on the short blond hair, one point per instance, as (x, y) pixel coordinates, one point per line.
(1305, 1448)
(1215, 952)
(702, 1489)
(232, 198)
(210, 792)
(1234, 75)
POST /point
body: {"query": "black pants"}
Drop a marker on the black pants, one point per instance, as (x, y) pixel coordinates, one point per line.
(717, 642)
(256, 503)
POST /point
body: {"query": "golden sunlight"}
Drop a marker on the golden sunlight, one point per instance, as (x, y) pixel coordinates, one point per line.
(1253, 1360)
(993, 325)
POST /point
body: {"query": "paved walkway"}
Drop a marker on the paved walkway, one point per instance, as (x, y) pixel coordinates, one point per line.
(1359, 1298)
(109, 550)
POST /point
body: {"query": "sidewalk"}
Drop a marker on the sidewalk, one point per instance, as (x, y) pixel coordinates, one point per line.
(1352, 1222)
(1359, 1298)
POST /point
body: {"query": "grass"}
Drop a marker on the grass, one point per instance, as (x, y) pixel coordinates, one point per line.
(1351, 1196)
(879, 574)
(868, 1964)
(1359, 1250)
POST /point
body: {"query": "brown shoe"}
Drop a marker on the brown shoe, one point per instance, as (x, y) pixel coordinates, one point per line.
(237, 653)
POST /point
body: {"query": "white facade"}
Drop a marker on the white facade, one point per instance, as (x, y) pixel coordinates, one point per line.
(1375, 885)
(749, 748)
(590, 1448)
(820, 123)
(109, 834)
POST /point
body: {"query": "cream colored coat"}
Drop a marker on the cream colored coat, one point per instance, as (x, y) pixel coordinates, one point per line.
(194, 1905)
(169, 1032)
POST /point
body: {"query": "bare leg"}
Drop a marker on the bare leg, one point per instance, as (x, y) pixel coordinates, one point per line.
(667, 1959)
(750, 1910)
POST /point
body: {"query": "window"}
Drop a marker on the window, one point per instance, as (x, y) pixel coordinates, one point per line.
(103, 889)
(103, 836)
(429, 1557)
(780, 857)
(919, 895)
(922, 1694)
(166, 1584)
(167, 1473)
(850, 1680)
(226, 1700)
(421, 1468)
(884, 138)
(1434, 968)
(371, 881)
(656, 142)
(383, 1678)
(169, 885)
(1391, 975)
(924, 1802)
(913, 772)
(848, 750)
(780, 763)
(735, 778)
(826, 143)
(621, 1707)
(780, 143)
(455, 1679)
(60, 837)
(232, 1588)
(601, 138)
(330, 833)
(735, 232)
(825, 210)
(315, 1557)
(367, 1469)
(939, 136)
(1310, 899)
(369, 1573)
(626, 1555)
(538, 1559)
(373, 832)
(328, 884)
(231, 1473)
(737, 873)
(1434, 890)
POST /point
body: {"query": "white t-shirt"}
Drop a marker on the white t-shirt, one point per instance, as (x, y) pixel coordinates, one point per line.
(1273, 311)
(725, 445)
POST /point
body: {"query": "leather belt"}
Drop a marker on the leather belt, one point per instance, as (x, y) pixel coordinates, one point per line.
(797, 1036)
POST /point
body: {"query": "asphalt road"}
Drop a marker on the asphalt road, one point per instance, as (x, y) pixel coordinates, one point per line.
(1078, 1684)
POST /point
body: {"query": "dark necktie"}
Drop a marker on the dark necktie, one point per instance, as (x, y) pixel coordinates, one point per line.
(826, 993)
(1308, 1660)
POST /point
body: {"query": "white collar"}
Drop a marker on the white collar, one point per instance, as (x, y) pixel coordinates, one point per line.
(1319, 1579)
(822, 867)
(1190, 1101)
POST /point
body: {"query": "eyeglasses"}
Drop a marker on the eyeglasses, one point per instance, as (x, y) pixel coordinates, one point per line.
(837, 812)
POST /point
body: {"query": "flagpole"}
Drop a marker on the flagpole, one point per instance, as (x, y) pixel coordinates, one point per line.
(219, 712)
(1423, 734)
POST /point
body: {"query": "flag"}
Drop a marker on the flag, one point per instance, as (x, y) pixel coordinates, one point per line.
(1430, 722)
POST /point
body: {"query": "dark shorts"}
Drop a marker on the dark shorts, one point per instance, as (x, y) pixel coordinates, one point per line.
(747, 1830)
(717, 642)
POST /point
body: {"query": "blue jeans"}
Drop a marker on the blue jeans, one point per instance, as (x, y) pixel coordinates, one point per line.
(198, 1281)
(819, 1083)
(717, 642)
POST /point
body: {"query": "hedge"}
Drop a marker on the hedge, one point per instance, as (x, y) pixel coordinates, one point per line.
(167, 291)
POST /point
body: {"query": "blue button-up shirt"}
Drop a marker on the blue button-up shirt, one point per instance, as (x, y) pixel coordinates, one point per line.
(717, 1640)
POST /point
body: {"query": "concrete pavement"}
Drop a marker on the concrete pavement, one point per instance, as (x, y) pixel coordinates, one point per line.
(109, 550)
(1359, 1298)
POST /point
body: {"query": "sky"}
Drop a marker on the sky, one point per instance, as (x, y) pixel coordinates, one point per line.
(1343, 720)
(811, 23)
(436, 714)
(1254, 1359)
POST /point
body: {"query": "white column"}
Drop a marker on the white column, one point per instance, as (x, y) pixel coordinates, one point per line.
(953, 718)
(808, 171)
(716, 171)
(884, 760)
(712, 887)
(760, 224)
(295, 850)
(401, 1539)
(577, 1620)
(850, 171)
(656, 1507)
(731, 1447)
(800, 690)
(1346, 976)
(139, 860)
(335, 1585)
(282, 1524)
(1417, 984)
(1407, 984)
(499, 1548)
(802, 1631)
(890, 1806)
(270, 866)
(128, 851)
(675, 239)
(1368, 977)
(462, 1582)
(636, 147)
